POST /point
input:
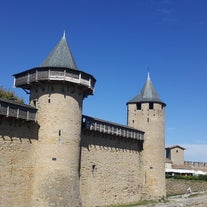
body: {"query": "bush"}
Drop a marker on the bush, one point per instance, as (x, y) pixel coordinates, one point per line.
(188, 177)
(9, 95)
(202, 177)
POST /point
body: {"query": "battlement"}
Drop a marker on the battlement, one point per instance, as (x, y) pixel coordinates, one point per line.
(195, 164)
(17, 110)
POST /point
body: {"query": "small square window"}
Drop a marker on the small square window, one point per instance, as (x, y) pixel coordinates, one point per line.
(151, 105)
(139, 106)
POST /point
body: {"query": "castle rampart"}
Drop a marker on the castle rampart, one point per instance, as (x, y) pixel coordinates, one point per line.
(52, 155)
(110, 169)
(196, 164)
(17, 138)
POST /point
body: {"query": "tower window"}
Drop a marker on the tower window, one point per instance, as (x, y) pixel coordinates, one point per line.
(151, 105)
(35, 103)
(139, 106)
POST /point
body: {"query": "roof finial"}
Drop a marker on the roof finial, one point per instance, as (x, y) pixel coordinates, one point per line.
(148, 76)
(64, 34)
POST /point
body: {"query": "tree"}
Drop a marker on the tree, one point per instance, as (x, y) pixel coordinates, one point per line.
(9, 95)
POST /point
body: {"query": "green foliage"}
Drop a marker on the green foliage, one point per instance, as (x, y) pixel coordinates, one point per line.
(9, 95)
(202, 177)
(188, 177)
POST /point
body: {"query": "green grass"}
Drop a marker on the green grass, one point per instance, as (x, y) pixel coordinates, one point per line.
(194, 195)
(143, 202)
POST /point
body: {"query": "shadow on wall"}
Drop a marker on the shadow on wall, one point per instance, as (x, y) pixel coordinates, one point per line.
(11, 128)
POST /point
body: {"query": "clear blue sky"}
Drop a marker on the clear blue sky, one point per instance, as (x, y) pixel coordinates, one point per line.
(119, 41)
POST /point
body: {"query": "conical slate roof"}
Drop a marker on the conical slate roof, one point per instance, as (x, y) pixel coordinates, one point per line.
(147, 94)
(61, 56)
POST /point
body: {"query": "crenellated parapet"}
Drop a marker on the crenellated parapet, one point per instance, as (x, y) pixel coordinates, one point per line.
(195, 164)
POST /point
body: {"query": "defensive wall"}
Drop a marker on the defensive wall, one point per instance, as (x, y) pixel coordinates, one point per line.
(107, 151)
(190, 165)
(195, 164)
(18, 133)
(52, 155)
(110, 164)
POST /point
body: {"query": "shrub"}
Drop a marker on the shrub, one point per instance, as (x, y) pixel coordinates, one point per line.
(188, 177)
(9, 95)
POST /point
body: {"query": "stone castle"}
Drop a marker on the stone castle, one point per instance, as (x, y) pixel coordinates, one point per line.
(52, 155)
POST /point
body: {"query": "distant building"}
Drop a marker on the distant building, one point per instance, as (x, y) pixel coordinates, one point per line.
(175, 154)
(175, 163)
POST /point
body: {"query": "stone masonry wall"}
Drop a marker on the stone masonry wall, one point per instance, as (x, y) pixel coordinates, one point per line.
(110, 170)
(16, 161)
(177, 156)
(180, 186)
(56, 180)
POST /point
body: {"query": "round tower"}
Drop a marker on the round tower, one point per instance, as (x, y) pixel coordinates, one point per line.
(146, 112)
(57, 90)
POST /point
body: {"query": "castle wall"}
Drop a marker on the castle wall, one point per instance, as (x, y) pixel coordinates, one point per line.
(16, 161)
(110, 169)
(198, 165)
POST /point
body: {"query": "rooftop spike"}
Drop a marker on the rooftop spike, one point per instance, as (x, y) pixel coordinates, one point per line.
(64, 35)
(148, 76)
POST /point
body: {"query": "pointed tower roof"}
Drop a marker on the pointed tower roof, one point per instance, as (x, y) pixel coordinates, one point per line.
(61, 56)
(147, 94)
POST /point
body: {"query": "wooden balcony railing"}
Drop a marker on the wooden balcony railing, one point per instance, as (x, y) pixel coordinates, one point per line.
(102, 126)
(16, 110)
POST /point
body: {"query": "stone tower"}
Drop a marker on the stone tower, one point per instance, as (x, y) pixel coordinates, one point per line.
(146, 112)
(57, 89)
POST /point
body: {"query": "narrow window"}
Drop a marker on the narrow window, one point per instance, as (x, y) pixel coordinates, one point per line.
(35, 103)
(151, 105)
(139, 106)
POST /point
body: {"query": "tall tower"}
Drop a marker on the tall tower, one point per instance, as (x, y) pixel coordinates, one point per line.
(57, 89)
(146, 112)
